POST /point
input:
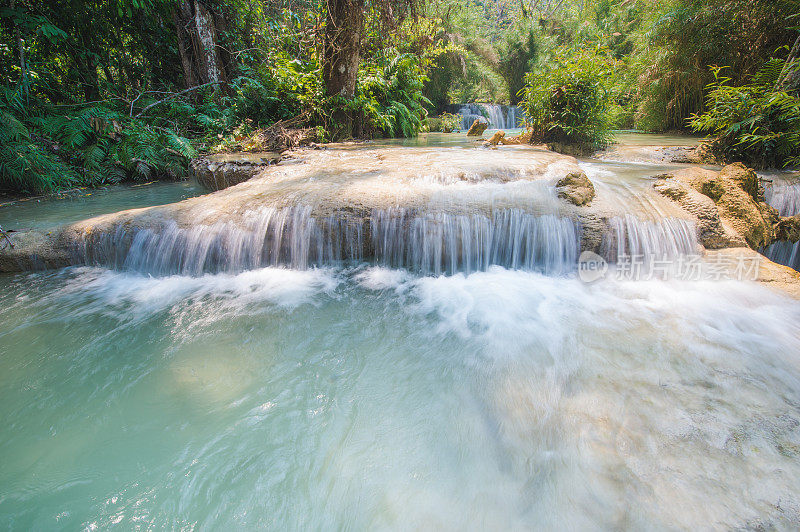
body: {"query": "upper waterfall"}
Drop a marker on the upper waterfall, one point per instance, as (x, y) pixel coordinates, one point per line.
(496, 115)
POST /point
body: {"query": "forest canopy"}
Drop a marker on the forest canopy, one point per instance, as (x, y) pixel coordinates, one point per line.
(99, 91)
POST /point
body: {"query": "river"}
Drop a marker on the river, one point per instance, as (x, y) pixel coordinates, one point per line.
(364, 395)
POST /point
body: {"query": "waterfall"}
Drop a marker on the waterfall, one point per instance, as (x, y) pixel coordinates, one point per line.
(404, 238)
(667, 238)
(429, 243)
(785, 197)
(496, 115)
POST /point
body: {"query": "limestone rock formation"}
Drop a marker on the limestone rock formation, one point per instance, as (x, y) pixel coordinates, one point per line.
(477, 128)
(339, 188)
(222, 170)
(768, 273)
(497, 138)
(576, 188)
(788, 229)
(658, 154)
(500, 138)
(522, 138)
(729, 205)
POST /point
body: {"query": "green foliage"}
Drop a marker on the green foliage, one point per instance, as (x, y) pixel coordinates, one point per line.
(389, 99)
(756, 123)
(26, 165)
(567, 101)
(690, 35)
(444, 123)
(45, 149)
(517, 55)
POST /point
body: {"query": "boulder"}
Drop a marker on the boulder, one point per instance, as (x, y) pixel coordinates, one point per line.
(729, 205)
(576, 188)
(522, 138)
(788, 228)
(712, 232)
(222, 170)
(497, 138)
(477, 128)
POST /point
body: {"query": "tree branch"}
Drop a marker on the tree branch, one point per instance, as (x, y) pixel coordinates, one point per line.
(176, 94)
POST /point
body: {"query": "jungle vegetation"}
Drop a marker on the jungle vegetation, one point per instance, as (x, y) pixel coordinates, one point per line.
(102, 91)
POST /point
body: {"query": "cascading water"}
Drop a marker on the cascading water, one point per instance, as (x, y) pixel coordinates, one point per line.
(785, 197)
(496, 115)
(647, 240)
(426, 243)
(432, 243)
(276, 356)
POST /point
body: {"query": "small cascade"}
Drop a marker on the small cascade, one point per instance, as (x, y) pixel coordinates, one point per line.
(785, 197)
(432, 243)
(427, 243)
(645, 240)
(786, 253)
(498, 116)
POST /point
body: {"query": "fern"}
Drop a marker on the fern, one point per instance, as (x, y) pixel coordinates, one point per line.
(753, 123)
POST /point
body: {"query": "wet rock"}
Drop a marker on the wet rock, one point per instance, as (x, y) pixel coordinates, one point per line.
(788, 229)
(35, 250)
(222, 170)
(594, 228)
(576, 188)
(477, 128)
(522, 138)
(576, 150)
(658, 154)
(712, 232)
(729, 205)
(496, 139)
(499, 138)
(770, 274)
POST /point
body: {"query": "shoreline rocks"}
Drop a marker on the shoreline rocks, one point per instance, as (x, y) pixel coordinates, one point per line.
(729, 205)
(576, 188)
(223, 170)
(658, 154)
(477, 128)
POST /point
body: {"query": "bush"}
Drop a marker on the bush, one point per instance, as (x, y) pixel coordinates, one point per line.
(445, 123)
(389, 100)
(567, 102)
(755, 123)
(44, 149)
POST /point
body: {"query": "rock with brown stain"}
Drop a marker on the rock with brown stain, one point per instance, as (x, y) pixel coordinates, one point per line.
(223, 170)
(729, 205)
(497, 138)
(576, 188)
(477, 128)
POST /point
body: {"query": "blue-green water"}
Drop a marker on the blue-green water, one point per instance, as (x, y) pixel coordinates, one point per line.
(372, 398)
(86, 203)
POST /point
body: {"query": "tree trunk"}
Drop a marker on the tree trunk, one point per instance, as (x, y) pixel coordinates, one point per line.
(200, 56)
(182, 15)
(209, 62)
(341, 51)
(785, 79)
